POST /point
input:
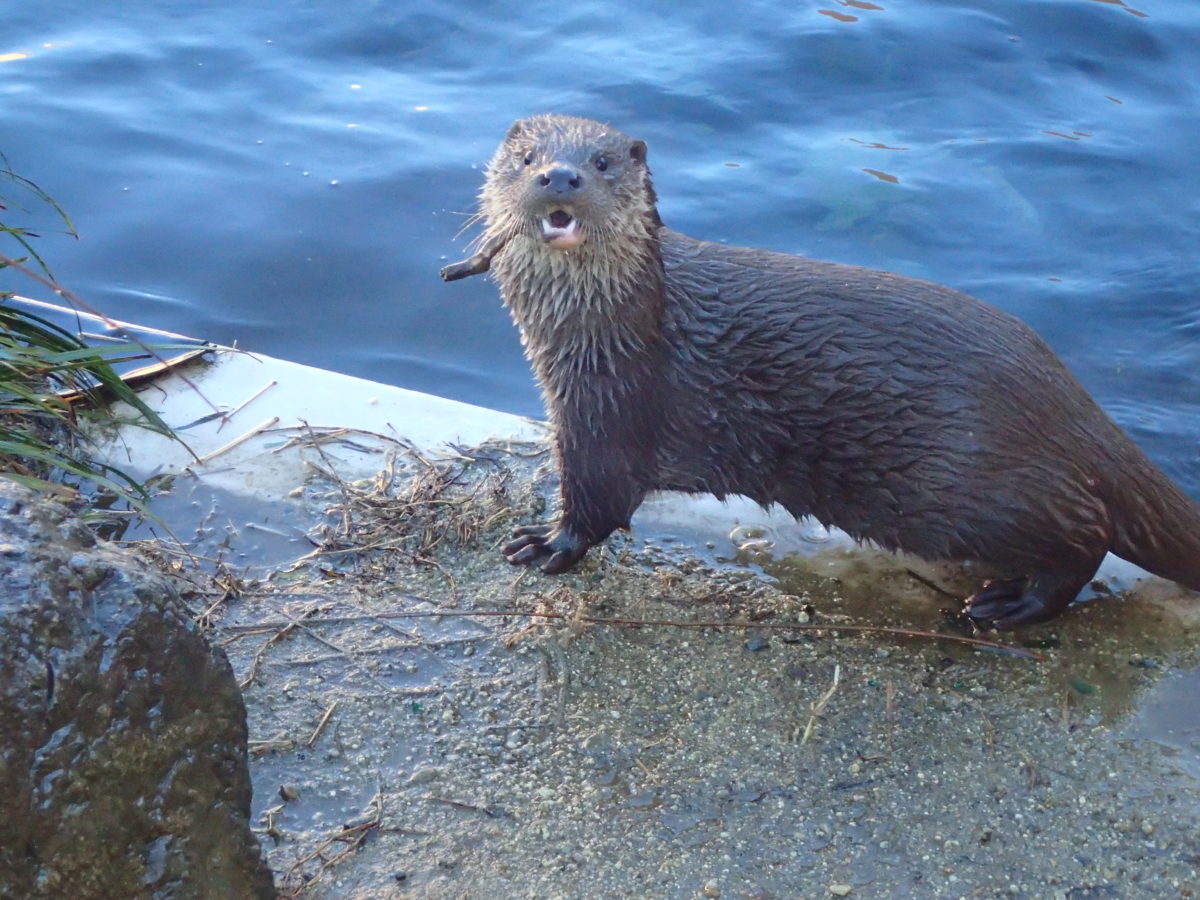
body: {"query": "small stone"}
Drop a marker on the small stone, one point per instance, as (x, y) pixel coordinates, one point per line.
(400, 876)
(289, 792)
(840, 890)
(756, 643)
(711, 888)
(424, 775)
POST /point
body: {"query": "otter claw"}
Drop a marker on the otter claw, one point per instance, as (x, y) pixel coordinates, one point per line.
(524, 550)
(1005, 603)
(551, 549)
(532, 530)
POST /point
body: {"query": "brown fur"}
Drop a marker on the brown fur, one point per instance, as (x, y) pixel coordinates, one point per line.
(901, 411)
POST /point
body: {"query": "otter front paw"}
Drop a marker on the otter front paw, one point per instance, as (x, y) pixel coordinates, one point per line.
(550, 548)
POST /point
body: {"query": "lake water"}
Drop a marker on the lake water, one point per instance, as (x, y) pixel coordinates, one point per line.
(290, 177)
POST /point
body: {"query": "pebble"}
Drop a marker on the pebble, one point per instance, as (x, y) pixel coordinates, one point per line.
(424, 775)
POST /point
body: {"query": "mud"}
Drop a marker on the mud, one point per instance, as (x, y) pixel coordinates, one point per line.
(401, 748)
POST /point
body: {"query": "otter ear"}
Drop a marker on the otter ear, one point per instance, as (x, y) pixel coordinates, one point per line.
(515, 130)
(637, 150)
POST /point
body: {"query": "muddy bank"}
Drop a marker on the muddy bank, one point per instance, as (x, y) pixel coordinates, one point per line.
(397, 752)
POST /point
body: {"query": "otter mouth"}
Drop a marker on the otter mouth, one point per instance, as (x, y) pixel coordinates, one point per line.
(561, 230)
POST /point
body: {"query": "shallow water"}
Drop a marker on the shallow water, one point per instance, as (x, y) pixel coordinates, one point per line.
(291, 177)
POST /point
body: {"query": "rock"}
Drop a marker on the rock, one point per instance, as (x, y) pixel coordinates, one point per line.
(757, 643)
(123, 768)
(424, 775)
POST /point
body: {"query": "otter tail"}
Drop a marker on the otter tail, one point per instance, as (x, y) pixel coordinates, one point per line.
(1155, 524)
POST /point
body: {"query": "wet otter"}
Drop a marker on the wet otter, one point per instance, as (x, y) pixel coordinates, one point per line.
(901, 411)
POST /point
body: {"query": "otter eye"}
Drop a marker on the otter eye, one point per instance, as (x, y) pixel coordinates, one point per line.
(601, 163)
(528, 158)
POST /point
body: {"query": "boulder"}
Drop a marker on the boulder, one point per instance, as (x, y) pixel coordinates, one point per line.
(123, 768)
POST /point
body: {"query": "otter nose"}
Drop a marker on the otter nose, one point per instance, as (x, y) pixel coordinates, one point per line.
(560, 180)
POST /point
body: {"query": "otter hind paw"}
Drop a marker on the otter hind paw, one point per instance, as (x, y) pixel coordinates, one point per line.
(1011, 602)
(549, 548)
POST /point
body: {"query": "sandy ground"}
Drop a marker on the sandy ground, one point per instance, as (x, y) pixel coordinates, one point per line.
(403, 749)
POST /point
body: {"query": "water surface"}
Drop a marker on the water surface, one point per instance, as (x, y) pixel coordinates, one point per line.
(290, 177)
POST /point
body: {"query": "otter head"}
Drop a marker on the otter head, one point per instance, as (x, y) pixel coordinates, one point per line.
(566, 182)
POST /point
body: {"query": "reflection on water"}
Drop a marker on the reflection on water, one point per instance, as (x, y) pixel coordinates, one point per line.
(1124, 6)
(1167, 715)
(883, 176)
(291, 177)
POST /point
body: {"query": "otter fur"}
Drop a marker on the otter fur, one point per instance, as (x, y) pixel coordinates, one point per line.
(905, 413)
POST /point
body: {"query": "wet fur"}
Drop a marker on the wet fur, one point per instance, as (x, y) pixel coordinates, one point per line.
(901, 411)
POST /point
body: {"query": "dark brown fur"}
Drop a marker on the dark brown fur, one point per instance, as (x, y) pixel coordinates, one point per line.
(901, 411)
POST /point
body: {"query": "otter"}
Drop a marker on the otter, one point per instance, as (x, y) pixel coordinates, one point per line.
(904, 412)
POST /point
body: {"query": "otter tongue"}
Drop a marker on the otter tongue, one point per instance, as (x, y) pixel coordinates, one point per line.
(560, 230)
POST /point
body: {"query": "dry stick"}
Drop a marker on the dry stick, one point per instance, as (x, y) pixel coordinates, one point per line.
(819, 706)
(237, 409)
(335, 432)
(321, 725)
(226, 593)
(427, 561)
(668, 623)
(377, 545)
(891, 716)
(279, 635)
(298, 625)
(341, 485)
(988, 727)
(354, 837)
(257, 429)
(346, 654)
(459, 804)
(258, 748)
(324, 435)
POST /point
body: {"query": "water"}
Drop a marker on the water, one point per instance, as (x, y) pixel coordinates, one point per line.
(291, 177)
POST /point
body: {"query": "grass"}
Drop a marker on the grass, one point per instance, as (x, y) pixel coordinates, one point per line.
(52, 383)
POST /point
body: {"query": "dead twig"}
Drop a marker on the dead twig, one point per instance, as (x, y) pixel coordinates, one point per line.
(818, 707)
(459, 804)
(669, 623)
(237, 409)
(352, 837)
(254, 663)
(237, 441)
(312, 741)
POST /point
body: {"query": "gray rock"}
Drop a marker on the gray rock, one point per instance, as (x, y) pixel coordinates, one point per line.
(123, 768)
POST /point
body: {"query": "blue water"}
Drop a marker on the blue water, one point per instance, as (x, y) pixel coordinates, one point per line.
(291, 176)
